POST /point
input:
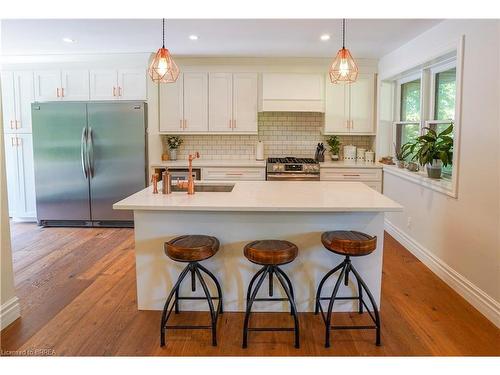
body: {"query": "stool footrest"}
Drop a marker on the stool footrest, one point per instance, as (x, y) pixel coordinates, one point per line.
(272, 329)
(188, 327)
(353, 327)
(342, 298)
(271, 299)
(196, 298)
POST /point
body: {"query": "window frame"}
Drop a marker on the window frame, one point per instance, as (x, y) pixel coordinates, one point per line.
(453, 57)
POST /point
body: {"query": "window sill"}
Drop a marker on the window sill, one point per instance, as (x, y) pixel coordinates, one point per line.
(444, 186)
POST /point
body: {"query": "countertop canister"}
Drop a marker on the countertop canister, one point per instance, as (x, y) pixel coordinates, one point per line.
(259, 151)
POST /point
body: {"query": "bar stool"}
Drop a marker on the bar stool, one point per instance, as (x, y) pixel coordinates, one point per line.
(270, 254)
(192, 249)
(350, 244)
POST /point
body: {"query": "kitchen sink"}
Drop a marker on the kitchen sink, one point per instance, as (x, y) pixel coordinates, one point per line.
(207, 188)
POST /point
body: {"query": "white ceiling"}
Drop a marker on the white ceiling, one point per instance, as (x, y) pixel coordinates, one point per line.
(367, 38)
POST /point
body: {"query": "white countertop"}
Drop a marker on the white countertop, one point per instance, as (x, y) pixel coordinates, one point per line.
(350, 164)
(209, 163)
(293, 196)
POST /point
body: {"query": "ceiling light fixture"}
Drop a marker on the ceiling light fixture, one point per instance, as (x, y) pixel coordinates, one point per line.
(343, 67)
(69, 40)
(325, 37)
(193, 37)
(163, 69)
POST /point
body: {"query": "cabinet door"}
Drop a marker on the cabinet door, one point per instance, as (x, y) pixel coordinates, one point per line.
(245, 102)
(362, 104)
(132, 84)
(25, 95)
(195, 102)
(104, 84)
(220, 102)
(26, 204)
(12, 172)
(47, 85)
(75, 85)
(336, 108)
(8, 103)
(171, 106)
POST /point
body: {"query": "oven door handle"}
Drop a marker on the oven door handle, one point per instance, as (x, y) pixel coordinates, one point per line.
(293, 177)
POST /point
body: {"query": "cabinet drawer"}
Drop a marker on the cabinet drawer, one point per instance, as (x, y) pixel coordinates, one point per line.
(234, 174)
(351, 174)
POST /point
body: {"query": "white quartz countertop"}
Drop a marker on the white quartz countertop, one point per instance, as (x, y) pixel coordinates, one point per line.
(350, 164)
(209, 163)
(293, 196)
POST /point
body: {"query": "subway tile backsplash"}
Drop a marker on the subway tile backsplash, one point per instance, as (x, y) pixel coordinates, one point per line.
(283, 134)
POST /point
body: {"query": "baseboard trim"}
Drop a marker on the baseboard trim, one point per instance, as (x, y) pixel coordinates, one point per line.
(9, 311)
(472, 294)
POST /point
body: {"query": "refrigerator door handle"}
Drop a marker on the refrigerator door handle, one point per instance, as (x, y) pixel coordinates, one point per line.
(90, 152)
(83, 152)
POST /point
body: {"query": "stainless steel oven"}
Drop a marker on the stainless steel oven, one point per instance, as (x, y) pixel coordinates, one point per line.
(292, 169)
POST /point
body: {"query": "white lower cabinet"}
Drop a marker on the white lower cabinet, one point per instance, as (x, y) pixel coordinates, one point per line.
(20, 176)
(233, 174)
(369, 176)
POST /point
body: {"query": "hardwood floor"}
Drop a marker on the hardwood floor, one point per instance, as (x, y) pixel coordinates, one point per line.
(77, 294)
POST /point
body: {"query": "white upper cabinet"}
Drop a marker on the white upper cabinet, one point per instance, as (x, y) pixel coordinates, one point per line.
(8, 103)
(362, 104)
(349, 108)
(297, 92)
(195, 102)
(47, 85)
(17, 96)
(103, 84)
(132, 84)
(171, 106)
(122, 84)
(220, 102)
(75, 85)
(245, 94)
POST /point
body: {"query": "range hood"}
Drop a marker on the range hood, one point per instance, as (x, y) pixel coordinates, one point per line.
(292, 92)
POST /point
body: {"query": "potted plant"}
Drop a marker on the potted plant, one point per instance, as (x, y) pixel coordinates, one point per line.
(334, 146)
(402, 154)
(173, 143)
(434, 150)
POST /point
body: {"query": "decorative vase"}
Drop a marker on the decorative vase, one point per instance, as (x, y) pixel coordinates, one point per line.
(434, 169)
(412, 167)
(401, 164)
(173, 154)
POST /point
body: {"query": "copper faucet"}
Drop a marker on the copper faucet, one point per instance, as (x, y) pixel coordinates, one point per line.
(154, 180)
(189, 184)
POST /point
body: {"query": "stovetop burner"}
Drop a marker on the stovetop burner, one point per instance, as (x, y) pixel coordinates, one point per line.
(292, 160)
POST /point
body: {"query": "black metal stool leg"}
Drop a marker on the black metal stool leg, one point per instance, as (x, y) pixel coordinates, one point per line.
(292, 304)
(250, 303)
(271, 271)
(167, 303)
(210, 304)
(330, 305)
(217, 285)
(252, 281)
(279, 270)
(360, 295)
(372, 300)
(320, 286)
(176, 301)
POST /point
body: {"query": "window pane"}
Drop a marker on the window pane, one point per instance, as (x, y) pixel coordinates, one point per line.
(410, 101)
(445, 95)
(406, 133)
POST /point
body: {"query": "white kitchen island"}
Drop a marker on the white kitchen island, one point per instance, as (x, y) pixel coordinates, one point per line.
(296, 211)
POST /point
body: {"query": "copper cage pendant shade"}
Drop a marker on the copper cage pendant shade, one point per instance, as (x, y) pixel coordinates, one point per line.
(163, 68)
(343, 67)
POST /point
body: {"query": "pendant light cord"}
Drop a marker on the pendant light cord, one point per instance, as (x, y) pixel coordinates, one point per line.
(343, 33)
(163, 32)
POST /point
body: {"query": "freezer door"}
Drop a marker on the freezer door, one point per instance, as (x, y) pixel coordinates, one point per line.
(62, 188)
(117, 156)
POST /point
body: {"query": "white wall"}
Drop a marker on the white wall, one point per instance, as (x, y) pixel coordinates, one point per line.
(9, 305)
(457, 238)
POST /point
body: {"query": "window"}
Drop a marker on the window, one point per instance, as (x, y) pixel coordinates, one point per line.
(408, 126)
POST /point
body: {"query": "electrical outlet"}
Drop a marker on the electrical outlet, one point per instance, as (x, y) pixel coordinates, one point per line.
(408, 222)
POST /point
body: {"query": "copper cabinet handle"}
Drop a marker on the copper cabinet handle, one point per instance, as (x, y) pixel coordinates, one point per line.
(62, 92)
(114, 91)
(230, 124)
(19, 141)
(18, 127)
(119, 91)
(12, 124)
(234, 174)
(351, 175)
(58, 92)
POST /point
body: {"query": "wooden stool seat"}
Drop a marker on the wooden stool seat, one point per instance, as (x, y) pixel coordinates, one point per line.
(191, 248)
(349, 242)
(270, 252)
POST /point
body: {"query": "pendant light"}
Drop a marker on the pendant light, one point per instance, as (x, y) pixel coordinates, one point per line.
(163, 69)
(343, 67)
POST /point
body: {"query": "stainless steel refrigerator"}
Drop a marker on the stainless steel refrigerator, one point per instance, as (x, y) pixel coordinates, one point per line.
(88, 155)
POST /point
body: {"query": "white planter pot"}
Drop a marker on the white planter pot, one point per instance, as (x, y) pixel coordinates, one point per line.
(173, 154)
(434, 169)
